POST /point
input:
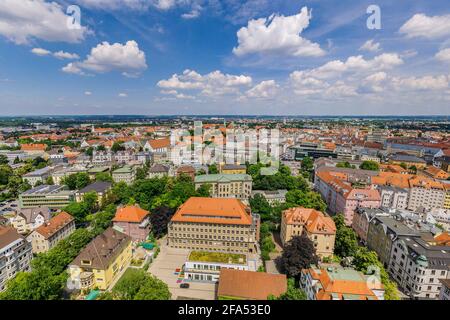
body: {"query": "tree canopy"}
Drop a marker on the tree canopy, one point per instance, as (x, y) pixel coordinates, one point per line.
(299, 253)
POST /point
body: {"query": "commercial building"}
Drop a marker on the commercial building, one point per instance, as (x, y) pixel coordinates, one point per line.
(49, 234)
(248, 285)
(206, 265)
(225, 225)
(338, 283)
(237, 186)
(15, 255)
(318, 227)
(100, 263)
(419, 267)
(52, 196)
(38, 176)
(133, 221)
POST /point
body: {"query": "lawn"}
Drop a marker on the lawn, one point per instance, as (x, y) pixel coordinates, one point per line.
(205, 256)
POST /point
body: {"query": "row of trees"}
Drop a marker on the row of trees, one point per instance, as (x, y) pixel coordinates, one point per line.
(363, 259)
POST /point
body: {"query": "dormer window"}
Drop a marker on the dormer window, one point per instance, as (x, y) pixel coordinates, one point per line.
(86, 262)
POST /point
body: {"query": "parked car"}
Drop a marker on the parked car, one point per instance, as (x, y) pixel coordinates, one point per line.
(184, 286)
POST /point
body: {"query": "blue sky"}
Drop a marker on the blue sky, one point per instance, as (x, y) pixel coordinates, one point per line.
(224, 57)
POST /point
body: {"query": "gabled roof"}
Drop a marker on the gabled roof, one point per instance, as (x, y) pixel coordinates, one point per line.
(314, 221)
(159, 143)
(130, 214)
(102, 251)
(8, 235)
(55, 224)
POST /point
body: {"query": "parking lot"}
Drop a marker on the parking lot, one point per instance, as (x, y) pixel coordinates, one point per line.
(164, 266)
(9, 206)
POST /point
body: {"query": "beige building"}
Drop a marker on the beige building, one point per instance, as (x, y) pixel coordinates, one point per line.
(318, 227)
(49, 234)
(125, 174)
(426, 193)
(237, 186)
(225, 225)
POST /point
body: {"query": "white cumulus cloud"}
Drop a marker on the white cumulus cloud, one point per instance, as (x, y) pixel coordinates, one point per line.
(443, 55)
(277, 34)
(421, 25)
(58, 54)
(371, 46)
(40, 52)
(24, 20)
(264, 89)
(126, 58)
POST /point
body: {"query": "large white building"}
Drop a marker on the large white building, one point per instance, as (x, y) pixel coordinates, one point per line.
(15, 255)
(418, 267)
(393, 197)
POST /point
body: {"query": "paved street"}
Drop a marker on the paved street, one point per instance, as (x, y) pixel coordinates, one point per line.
(163, 267)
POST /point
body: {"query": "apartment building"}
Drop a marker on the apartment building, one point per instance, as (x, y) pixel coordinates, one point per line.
(101, 188)
(318, 227)
(49, 234)
(237, 186)
(15, 255)
(38, 176)
(102, 261)
(341, 197)
(212, 224)
(52, 196)
(133, 221)
(382, 233)
(393, 197)
(27, 220)
(426, 193)
(419, 267)
(233, 169)
(158, 171)
(272, 196)
(339, 283)
(362, 219)
(125, 174)
(102, 157)
(445, 289)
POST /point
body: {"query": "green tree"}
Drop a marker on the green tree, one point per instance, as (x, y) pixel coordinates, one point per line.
(260, 205)
(298, 254)
(77, 180)
(117, 146)
(212, 169)
(309, 199)
(103, 176)
(367, 261)
(370, 165)
(293, 292)
(3, 159)
(5, 174)
(49, 181)
(346, 243)
(136, 284)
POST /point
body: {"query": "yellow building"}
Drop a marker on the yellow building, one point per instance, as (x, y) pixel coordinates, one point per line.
(447, 197)
(318, 227)
(101, 262)
(233, 169)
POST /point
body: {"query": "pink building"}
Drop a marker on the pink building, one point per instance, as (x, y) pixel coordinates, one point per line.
(341, 197)
(133, 221)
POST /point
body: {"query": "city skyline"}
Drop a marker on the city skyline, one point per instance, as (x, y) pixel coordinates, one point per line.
(195, 57)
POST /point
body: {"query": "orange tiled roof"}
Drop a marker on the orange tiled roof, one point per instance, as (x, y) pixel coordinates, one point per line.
(160, 143)
(443, 239)
(250, 284)
(33, 147)
(55, 224)
(437, 172)
(314, 221)
(130, 214)
(340, 287)
(213, 210)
